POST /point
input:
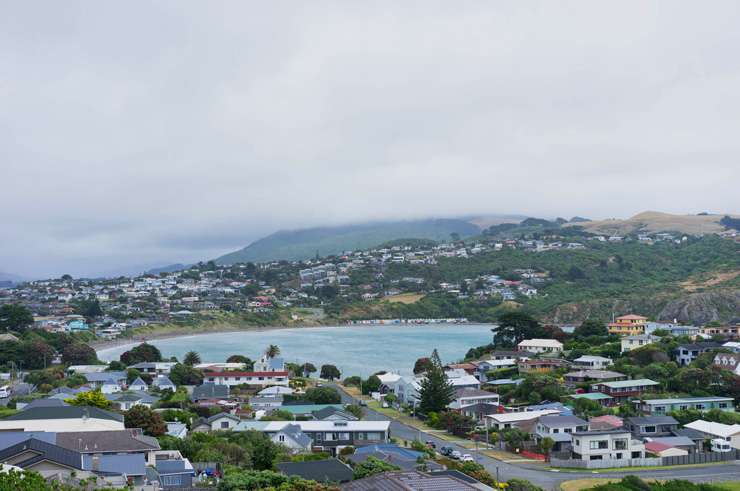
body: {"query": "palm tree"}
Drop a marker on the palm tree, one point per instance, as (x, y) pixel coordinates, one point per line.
(272, 351)
(191, 358)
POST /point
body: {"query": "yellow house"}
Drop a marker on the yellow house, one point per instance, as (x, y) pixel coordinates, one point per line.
(628, 325)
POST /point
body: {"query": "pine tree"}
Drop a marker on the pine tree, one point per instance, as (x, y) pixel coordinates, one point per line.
(436, 392)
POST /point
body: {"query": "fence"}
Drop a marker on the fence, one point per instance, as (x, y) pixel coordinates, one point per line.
(605, 463)
(702, 458)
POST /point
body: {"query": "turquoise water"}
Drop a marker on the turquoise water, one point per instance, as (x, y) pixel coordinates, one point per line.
(355, 350)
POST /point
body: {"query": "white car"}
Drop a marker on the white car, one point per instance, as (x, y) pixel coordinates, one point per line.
(455, 455)
(467, 458)
(4, 392)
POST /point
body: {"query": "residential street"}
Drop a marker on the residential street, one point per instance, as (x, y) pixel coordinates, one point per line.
(545, 478)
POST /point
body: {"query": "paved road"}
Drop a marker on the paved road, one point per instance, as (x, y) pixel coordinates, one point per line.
(545, 478)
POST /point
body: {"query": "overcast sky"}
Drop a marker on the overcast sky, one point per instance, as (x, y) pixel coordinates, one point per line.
(145, 133)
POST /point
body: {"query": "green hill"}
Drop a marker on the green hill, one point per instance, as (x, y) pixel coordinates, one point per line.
(306, 243)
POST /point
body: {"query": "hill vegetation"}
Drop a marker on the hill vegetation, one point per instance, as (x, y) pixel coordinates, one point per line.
(653, 221)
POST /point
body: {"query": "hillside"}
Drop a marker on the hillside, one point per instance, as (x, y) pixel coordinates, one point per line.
(654, 221)
(325, 241)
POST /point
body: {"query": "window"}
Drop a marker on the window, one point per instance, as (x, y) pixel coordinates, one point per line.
(555, 430)
(722, 405)
(648, 429)
(281, 438)
(620, 445)
(598, 444)
(225, 424)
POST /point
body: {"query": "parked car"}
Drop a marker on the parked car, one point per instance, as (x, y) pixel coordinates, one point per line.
(4, 392)
(467, 458)
(446, 451)
(456, 455)
(431, 444)
(363, 402)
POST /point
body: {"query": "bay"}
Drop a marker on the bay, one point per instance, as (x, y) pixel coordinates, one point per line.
(355, 350)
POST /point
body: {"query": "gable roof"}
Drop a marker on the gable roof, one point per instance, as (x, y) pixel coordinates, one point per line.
(556, 421)
(296, 434)
(45, 451)
(408, 481)
(162, 380)
(331, 410)
(652, 420)
(139, 381)
(133, 464)
(329, 470)
(129, 440)
(64, 412)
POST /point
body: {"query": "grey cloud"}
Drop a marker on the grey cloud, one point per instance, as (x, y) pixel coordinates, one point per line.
(175, 131)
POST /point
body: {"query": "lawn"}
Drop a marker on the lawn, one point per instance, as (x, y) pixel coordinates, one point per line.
(583, 484)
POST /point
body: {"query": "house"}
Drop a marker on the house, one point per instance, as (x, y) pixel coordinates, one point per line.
(333, 414)
(628, 325)
(170, 470)
(209, 391)
(728, 433)
(97, 379)
(541, 346)
(388, 382)
(660, 449)
(322, 471)
(276, 390)
(163, 382)
(154, 367)
(603, 399)
(584, 376)
(672, 329)
(254, 378)
(485, 366)
(480, 410)
(557, 406)
(728, 361)
(651, 426)
(469, 396)
(525, 420)
(218, 422)
(559, 429)
(589, 362)
(697, 437)
(632, 342)
(727, 331)
(617, 446)
(307, 410)
(265, 402)
(110, 387)
(62, 419)
(606, 422)
(404, 458)
(665, 406)
(686, 353)
(540, 365)
(328, 436)
(680, 442)
(269, 364)
(138, 384)
(461, 379)
(624, 389)
(292, 437)
(177, 429)
(127, 400)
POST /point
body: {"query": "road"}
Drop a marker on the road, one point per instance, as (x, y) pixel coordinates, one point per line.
(548, 479)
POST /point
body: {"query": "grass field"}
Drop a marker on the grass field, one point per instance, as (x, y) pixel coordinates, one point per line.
(583, 484)
(407, 298)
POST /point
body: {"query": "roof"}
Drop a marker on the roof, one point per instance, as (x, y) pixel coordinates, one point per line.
(686, 400)
(46, 402)
(596, 374)
(230, 373)
(329, 411)
(209, 390)
(129, 440)
(675, 441)
(557, 421)
(632, 317)
(64, 412)
(10, 438)
(174, 466)
(138, 381)
(473, 392)
(307, 408)
(105, 376)
(607, 419)
(689, 433)
(408, 481)
(619, 384)
(162, 380)
(523, 416)
(600, 432)
(132, 464)
(274, 426)
(654, 446)
(294, 431)
(592, 396)
(717, 429)
(700, 346)
(652, 420)
(549, 343)
(592, 358)
(45, 450)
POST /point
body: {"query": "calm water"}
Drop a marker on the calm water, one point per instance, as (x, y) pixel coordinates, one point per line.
(355, 350)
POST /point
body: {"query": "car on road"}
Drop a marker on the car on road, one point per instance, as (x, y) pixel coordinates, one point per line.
(4, 392)
(431, 444)
(467, 458)
(446, 451)
(455, 455)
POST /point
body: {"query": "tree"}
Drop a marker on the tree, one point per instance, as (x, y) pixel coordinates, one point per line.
(142, 353)
(93, 398)
(79, 354)
(142, 417)
(15, 317)
(89, 308)
(372, 384)
(422, 365)
(24, 481)
(330, 372)
(514, 327)
(323, 395)
(191, 358)
(435, 392)
(355, 410)
(590, 327)
(372, 466)
(182, 374)
(36, 354)
(546, 444)
(308, 369)
(272, 351)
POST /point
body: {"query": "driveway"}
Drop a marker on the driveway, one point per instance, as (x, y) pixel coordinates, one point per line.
(547, 479)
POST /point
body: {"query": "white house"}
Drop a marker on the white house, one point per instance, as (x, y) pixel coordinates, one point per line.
(525, 420)
(616, 446)
(729, 433)
(162, 382)
(592, 362)
(110, 387)
(541, 346)
(259, 379)
(469, 396)
(632, 342)
(138, 384)
(291, 437)
(218, 422)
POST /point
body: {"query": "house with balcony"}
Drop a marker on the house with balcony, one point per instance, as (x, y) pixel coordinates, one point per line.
(651, 426)
(658, 407)
(615, 446)
(621, 390)
(687, 353)
(470, 396)
(628, 325)
(540, 365)
(232, 378)
(559, 429)
(541, 346)
(589, 362)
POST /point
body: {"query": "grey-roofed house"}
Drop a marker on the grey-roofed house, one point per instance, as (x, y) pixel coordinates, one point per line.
(583, 376)
(42, 456)
(97, 379)
(45, 402)
(221, 421)
(292, 437)
(63, 419)
(209, 390)
(694, 435)
(177, 429)
(163, 382)
(130, 465)
(323, 471)
(103, 442)
(174, 473)
(682, 442)
(686, 353)
(651, 426)
(333, 414)
(559, 429)
(138, 384)
(409, 481)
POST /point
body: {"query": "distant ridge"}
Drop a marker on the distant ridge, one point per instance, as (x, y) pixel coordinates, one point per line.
(170, 268)
(655, 221)
(306, 243)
